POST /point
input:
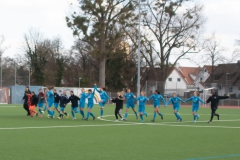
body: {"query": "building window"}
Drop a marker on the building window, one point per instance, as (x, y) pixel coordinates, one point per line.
(169, 79)
(178, 79)
(230, 89)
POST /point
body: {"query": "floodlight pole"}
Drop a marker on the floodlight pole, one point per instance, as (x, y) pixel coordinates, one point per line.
(138, 72)
(29, 75)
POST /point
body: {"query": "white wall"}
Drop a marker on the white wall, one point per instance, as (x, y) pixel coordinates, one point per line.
(174, 84)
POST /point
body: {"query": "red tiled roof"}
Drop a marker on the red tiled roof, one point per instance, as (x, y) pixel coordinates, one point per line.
(186, 72)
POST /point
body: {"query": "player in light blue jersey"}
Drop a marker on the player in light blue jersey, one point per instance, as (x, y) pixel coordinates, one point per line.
(83, 97)
(176, 105)
(104, 97)
(156, 104)
(195, 105)
(50, 100)
(90, 105)
(129, 103)
(142, 105)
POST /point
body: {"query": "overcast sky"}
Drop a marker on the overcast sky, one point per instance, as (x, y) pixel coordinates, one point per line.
(48, 16)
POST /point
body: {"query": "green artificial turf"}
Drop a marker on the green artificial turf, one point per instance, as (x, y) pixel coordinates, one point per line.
(25, 138)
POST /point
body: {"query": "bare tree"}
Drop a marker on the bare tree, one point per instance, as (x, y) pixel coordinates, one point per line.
(172, 29)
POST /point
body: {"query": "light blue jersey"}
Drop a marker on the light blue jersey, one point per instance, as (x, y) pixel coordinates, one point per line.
(142, 103)
(90, 98)
(175, 102)
(156, 99)
(195, 102)
(50, 98)
(129, 100)
(83, 97)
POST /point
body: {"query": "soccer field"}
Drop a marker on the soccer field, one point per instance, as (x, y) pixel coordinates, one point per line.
(25, 138)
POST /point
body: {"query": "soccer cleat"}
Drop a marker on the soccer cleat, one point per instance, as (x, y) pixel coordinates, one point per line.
(194, 121)
(59, 117)
(210, 122)
(48, 116)
(83, 118)
(99, 117)
(218, 117)
(162, 117)
(124, 119)
(180, 120)
(198, 117)
(74, 118)
(86, 119)
(116, 120)
(142, 121)
(152, 120)
(42, 112)
(94, 118)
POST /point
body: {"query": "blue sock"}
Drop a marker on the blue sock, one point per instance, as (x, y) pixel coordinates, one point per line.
(136, 113)
(45, 107)
(160, 114)
(145, 114)
(77, 111)
(40, 111)
(176, 115)
(92, 114)
(101, 112)
(88, 114)
(82, 113)
(179, 117)
(194, 117)
(49, 112)
(73, 115)
(141, 117)
(125, 115)
(154, 115)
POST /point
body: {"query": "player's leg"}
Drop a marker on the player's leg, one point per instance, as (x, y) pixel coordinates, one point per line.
(102, 104)
(126, 113)
(177, 115)
(116, 113)
(73, 112)
(133, 108)
(213, 110)
(81, 107)
(141, 114)
(158, 111)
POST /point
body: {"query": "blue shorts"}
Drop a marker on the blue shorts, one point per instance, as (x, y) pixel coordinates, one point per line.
(74, 108)
(56, 105)
(102, 104)
(195, 109)
(176, 108)
(62, 108)
(156, 105)
(81, 105)
(131, 104)
(40, 105)
(141, 109)
(90, 105)
(50, 104)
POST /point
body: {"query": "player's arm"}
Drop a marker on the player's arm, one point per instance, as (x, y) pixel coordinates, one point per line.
(223, 97)
(169, 101)
(189, 99)
(180, 99)
(163, 100)
(201, 100)
(95, 88)
(209, 99)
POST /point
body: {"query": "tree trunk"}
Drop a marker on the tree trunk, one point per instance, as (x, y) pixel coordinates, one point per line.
(102, 69)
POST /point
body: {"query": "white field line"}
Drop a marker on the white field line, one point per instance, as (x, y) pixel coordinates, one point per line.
(77, 126)
(7, 106)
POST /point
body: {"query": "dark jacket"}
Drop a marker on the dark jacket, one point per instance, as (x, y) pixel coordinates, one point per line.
(118, 101)
(214, 99)
(74, 100)
(56, 98)
(34, 100)
(25, 97)
(41, 97)
(63, 100)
